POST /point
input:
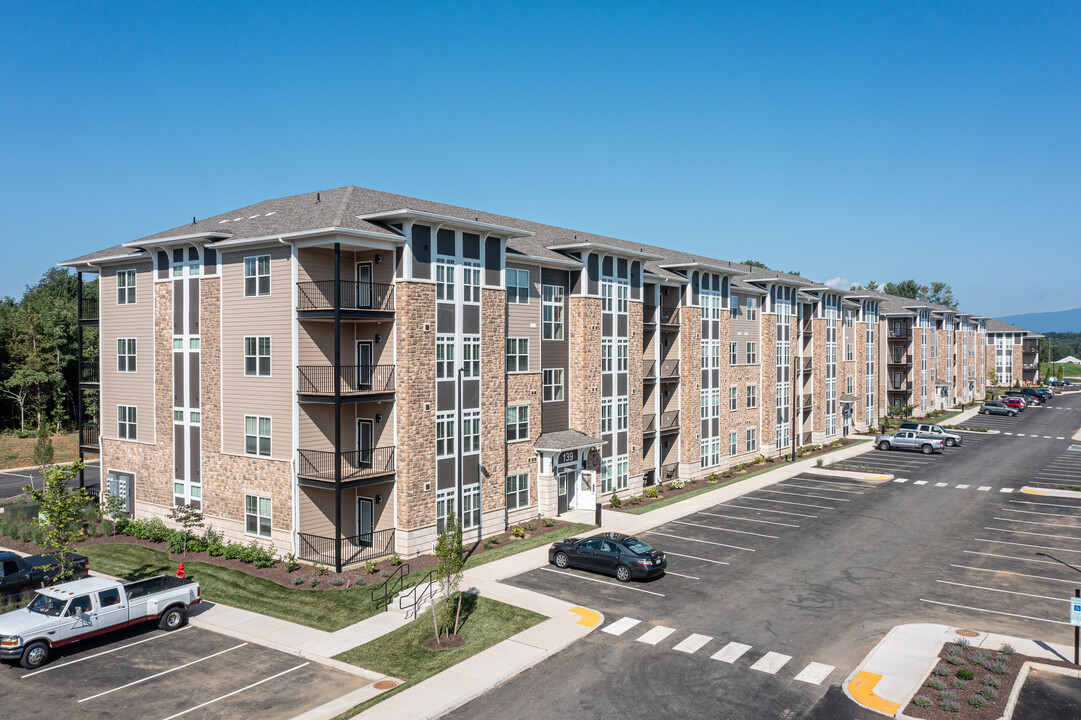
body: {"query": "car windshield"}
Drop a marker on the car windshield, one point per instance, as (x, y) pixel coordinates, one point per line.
(47, 605)
(637, 546)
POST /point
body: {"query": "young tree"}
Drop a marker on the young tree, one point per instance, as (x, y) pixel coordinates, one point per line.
(449, 573)
(61, 516)
(939, 293)
(992, 377)
(43, 452)
(188, 518)
(115, 508)
(872, 285)
(905, 288)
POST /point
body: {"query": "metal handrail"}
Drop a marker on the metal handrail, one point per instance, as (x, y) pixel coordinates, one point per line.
(319, 295)
(669, 419)
(89, 435)
(391, 586)
(414, 599)
(89, 371)
(356, 379)
(669, 315)
(357, 548)
(354, 464)
(649, 422)
(88, 309)
(670, 368)
(649, 369)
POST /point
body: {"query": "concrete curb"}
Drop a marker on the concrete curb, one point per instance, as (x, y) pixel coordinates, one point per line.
(1051, 492)
(36, 467)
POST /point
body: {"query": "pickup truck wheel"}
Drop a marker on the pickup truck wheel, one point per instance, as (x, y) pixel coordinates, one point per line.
(173, 619)
(927, 449)
(950, 442)
(34, 656)
(883, 445)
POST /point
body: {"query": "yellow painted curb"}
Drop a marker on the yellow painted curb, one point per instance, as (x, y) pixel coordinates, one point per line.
(1030, 491)
(590, 618)
(862, 689)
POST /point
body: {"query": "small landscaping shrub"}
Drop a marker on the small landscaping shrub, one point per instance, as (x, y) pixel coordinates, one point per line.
(1006, 649)
(677, 485)
(693, 481)
(818, 463)
(942, 670)
(725, 474)
(964, 642)
(955, 660)
(979, 658)
(290, 562)
(653, 492)
(936, 684)
(489, 543)
(234, 551)
(965, 674)
(922, 701)
(997, 666)
(634, 499)
(395, 559)
(518, 531)
(615, 501)
(369, 565)
(313, 582)
(548, 522)
(951, 705)
(531, 526)
(384, 573)
(298, 580)
(959, 684)
(989, 692)
(337, 582)
(977, 701)
(359, 581)
(992, 681)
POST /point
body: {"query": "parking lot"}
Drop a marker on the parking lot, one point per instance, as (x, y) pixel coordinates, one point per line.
(148, 674)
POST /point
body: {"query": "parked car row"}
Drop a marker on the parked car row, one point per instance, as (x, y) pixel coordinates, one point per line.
(1015, 401)
(19, 575)
(922, 437)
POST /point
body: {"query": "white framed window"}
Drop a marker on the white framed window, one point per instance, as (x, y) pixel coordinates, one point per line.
(444, 357)
(752, 309)
(125, 287)
(517, 287)
(849, 385)
(257, 515)
(732, 443)
(622, 291)
(471, 282)
(471, 356)
(178, 343)
(471, 506)
(606, 296)
(752, 396)
(621, 413)
(606, 475)
(850, 352)
(622, 472)
(733, 353)
(195, 417)
(733, 398)
(622, 351)
(444, 434)
(444, 279)
(606, 415)
(517, 423)
(705, 354)
(257, 435)
(752, 439)
(715, 350)
(752, 353)
(703, 453)
(606, 355)
(715, 402)
(470, 432)
(517, 355)
(257, 356)
(552, 385)
(256, 276)
(178, 417)
(194, 343)
(445, 507)
(126, 423)
(125, 355)
(517, 491)
(704, 405)
(552, 312)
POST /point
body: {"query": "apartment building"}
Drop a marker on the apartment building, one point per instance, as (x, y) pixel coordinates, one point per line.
(337, 373)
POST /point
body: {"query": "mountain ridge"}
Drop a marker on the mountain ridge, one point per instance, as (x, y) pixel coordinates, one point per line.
(1041, 322)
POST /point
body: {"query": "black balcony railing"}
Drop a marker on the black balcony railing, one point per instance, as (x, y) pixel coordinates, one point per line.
(356, 379)
(89, 436)
(319, 295)
(670, 420)
(900, 332)
(805, 439)
(806, 364)
(670, 368)
(89, 372)
(649, 369)
(669, 315)
(649, 422)
(806, 402)
(899, 360)
(355, 465)
(649, 314)
(903, 386)
(369, 546)
(88, 309)
(669, 471)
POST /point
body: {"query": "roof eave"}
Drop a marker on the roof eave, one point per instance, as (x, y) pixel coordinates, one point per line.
(176, 239)
(408, 214)
(570, 247)
(301, 234)
(708, 267)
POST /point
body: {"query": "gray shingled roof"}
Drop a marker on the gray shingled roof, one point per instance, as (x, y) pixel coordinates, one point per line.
(565, 440)
(997, 326)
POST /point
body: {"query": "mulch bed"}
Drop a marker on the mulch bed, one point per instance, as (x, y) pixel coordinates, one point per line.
(446, 642)
(277, 572)
(994, 708)
(725, 477)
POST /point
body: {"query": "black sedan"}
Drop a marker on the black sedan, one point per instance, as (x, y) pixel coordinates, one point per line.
(616, 554)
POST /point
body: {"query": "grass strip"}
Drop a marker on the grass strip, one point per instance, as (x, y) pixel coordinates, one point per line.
(497, 553)
(401, 653)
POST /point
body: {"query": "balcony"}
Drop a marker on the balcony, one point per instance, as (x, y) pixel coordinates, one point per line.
(670, 369)
(89, 373)
(357, 467)
(669, 315)
(669, 421)
(90, 438)
(1030, 366)
(1030, 349)
(649, 369)
(806, 365)
(356, 549)
(88, 311)
(358, 299)
(806, 403)
(315, 383)
(805, 439)
(904, 360)
(649, 423)
(669, 471)
(900, 333)
(806, 329)
(904, 386)
(649, 314)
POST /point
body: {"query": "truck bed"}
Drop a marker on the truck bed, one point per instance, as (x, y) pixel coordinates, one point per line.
(142, 588)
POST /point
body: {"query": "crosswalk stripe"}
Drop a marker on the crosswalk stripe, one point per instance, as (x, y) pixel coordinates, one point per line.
(1006, 490)
(692, 643)
(1007, 433)
(771, 662)
(962, 487)
(984, 488)
(900, 480)
(941, 484)
(815, 673)
(731, 652)
(920, 482)
(655, 635)
(621, 626)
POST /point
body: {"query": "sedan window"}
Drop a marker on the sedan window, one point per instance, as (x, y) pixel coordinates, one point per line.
(611, 547)
(590, 544)
(637, 546)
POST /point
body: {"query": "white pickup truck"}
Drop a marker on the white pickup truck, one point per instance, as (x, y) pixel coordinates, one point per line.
(74, 611)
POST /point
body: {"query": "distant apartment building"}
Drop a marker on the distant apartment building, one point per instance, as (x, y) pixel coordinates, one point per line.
(338, 373)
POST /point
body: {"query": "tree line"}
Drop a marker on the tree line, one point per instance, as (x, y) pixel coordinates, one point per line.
(39, 363)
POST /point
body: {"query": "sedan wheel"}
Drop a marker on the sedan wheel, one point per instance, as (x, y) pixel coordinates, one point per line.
(883, 445)
(1013, 414)
(623, 573)
(562, 561)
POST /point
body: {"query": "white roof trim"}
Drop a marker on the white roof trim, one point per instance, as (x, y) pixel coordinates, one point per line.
(177, 238)
(719, 269)
(385, 237)
(406, 213)
(611, 249)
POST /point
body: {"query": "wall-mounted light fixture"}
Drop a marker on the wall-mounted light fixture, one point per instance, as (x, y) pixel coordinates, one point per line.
(378, 259)
(378, 499)
(378, 337)
(378, 418)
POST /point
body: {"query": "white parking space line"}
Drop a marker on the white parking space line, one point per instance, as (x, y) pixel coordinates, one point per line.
(1060, 438)
(1038, 547)
(757, 520)
(769, 510)
(941, 484)
(962, 487)
(692, 643)
(655, 635)
(1008, 592)
(814, 673)
(714, 527)
(689, 577)
(1031, 502)
(822, 489)
(1037, 512)
(620, 626)
(106, 652)
(816, 497)
(920, 482)
(731, 652)
(771, 662)
(623, 586)
(1033, 534)
(1012, 572)
(994, 612)
(1013, 557)
(235, 692)
(164, 672)
(1005, 490)
(695, 557)
(788, 502)
(707, 542)
(842, 483)
(1045, 524)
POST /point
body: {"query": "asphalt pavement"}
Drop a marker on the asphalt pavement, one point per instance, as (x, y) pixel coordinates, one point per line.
(13, 481)
(774, 597)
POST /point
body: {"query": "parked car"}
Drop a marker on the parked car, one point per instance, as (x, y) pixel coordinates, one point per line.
(949, 439)
(616, 554)
(908, 440)
(994, 407)
(1031, 397)
(1016, 403)
(1028, 400)
(22, 574)
(71, 611)
(1055, 382)
(1044, 394)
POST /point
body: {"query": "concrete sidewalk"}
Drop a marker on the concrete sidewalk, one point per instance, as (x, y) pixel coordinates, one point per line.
(894, 671)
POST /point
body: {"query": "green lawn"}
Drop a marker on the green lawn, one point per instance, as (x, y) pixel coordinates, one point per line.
(1069, 370)
(529, 543)
(402, 654)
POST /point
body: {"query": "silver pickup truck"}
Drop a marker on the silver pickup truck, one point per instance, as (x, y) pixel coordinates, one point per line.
(74, 611)
(908, 440)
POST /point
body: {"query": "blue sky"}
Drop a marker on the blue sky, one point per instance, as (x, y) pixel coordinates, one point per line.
(849, 141)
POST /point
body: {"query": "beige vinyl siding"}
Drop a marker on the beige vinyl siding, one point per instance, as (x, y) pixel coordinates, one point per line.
(315, 339)
(128, 321)
(524, 321)
(317, 509)
(245, 316)
(317, 264)
(742, 331)
(317, 425)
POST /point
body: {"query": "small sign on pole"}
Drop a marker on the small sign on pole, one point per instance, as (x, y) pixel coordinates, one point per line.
(1075, 620)
(1075, 611)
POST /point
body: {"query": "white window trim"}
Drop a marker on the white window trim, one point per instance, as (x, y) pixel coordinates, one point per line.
(257, 275)
(258, 515)
(269, 355)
